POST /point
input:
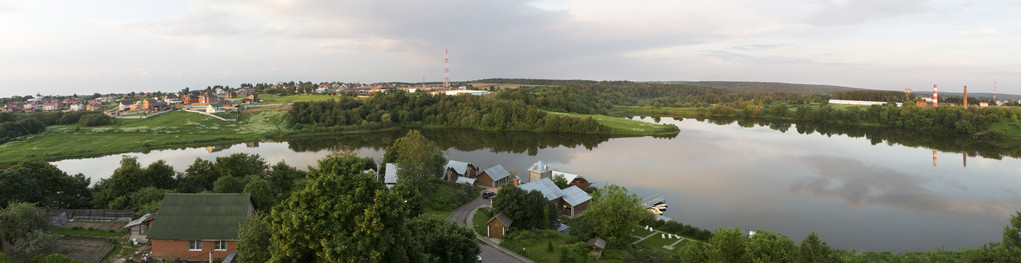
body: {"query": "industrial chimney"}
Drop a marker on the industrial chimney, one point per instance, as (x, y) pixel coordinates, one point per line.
(935, 98)
(966, 97)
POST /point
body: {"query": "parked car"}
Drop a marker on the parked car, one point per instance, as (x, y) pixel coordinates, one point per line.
(488, 194)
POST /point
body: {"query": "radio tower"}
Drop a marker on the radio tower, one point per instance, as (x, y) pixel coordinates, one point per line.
(446, 70)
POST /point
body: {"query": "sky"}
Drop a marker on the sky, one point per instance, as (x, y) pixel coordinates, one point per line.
(83, 47)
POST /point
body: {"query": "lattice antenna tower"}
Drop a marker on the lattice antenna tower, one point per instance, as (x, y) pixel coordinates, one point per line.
(446, 70)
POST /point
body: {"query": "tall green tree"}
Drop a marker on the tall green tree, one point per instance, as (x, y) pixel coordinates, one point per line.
(42, 183)
(342, 215)
(526, 209)
(254, 239)
(766, 246)
(159, 174)
(241, 165)
(1012, 236)
(17, 220)
(445, 241)
(614, 212)
(814, 249)
(282, 177)
(418, 158)
(728, 245)
(199, 177)
(143, 201)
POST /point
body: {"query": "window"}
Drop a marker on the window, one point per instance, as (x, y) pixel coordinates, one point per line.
(220, 245)
(194, 245)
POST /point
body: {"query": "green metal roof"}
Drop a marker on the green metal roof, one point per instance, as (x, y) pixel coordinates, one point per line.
(200, 216)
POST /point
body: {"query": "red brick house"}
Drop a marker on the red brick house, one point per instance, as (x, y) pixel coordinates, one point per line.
(195, 227)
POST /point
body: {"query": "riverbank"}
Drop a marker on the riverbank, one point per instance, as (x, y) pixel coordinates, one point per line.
(183, 129)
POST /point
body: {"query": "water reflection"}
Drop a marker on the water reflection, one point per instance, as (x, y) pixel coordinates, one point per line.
(868, 188)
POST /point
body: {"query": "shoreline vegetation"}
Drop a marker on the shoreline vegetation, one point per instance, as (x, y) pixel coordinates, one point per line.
(546, 106)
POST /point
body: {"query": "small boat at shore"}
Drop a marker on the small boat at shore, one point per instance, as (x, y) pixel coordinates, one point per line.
(655, 204)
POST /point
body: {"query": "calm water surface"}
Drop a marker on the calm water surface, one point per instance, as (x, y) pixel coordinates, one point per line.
(852, 192)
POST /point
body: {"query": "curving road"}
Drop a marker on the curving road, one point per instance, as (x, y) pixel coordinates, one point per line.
(462, 216)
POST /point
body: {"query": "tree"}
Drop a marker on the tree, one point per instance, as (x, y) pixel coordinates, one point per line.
(17, 220)
(445, 241)
(160, 175)
(41, 182)
(229, 184)
(614, 213)
(560, 181)
(1012, 235)
(728, 245)
(37, 242)
(199, 177)
(254, 239)
(240, 165)
(342, 215)
(144, 201)
(766, 246)
(282, 177)
(526, 209)
(814, 250)
(262, 193)
(575, 253)
(418, 158)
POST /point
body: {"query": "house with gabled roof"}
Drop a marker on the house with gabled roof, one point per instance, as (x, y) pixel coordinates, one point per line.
(455, 169)
(494, 177)
(139, 228)
(390, 177)
(571, 201)
(573, 179)
(195, 227)
(498, 225)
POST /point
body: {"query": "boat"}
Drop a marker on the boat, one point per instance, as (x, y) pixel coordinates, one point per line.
(655, 204)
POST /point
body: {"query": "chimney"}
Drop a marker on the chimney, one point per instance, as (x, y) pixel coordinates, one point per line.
(966, 97)
(935, 98)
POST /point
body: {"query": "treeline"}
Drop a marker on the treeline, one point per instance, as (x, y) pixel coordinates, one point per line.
(944, 118)
(16, 125)
(873, 95)
(731, 245)
(392, 109)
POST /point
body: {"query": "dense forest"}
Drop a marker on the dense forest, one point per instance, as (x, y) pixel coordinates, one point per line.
(13, 125)
(393, 109)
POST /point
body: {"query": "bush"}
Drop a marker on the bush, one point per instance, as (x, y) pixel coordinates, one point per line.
(94, 119)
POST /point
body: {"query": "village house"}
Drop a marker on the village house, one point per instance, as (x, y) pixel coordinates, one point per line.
(455, 169)
(76, 107)
(154, 105)
(494, 177)
(498, 225)
(124, 105)
(251, 98)
(51, 106)
(139, 228)
(214, 108)
(573, 179)
(195, 227)
(538, 171)
(10, 108)
(31, 106)
(208, 99)
(190, 99)
(93, 106)
(571, 201)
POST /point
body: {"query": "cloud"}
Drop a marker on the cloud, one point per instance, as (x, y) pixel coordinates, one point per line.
(200, 21)
(742, 58)
(849, 12)
(860, 185)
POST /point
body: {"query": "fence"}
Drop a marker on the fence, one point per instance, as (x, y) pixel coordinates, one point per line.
(92, 215)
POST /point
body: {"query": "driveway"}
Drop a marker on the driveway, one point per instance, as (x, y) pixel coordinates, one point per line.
(462, 216)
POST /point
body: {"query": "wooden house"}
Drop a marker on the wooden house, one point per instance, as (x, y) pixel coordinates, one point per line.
(573, 179)
(538, 171)
(571, 201)
(195, 227)
(456, 169)
(498, 225)
(494, 177)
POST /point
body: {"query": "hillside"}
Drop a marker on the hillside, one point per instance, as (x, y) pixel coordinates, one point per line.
(743, 86)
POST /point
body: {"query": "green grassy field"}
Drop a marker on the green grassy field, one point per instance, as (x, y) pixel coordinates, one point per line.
(274, 99)
(625, 126)
(656, 243)
(479, 222)
(535, 246)
(174, 129)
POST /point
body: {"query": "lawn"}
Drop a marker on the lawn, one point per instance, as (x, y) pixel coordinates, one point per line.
(534, 244)
(656, 243)
(274, 99)
(625, 126)
(641, 232)
(479, 222)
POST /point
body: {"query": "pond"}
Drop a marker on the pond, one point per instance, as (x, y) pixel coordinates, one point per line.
(866, 188)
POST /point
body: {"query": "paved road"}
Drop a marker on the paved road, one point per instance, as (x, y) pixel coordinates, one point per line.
(489, 253)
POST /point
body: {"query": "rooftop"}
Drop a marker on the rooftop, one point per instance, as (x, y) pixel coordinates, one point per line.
(497, 172)
(459, 166)
(201, 216)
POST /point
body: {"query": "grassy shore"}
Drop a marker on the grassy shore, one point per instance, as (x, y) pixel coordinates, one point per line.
(626, 126)
(183, 129)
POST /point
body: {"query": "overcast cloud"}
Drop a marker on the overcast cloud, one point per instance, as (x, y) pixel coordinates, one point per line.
(65, 47)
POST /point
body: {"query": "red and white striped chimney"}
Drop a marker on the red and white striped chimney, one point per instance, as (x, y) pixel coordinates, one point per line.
(935, 97)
